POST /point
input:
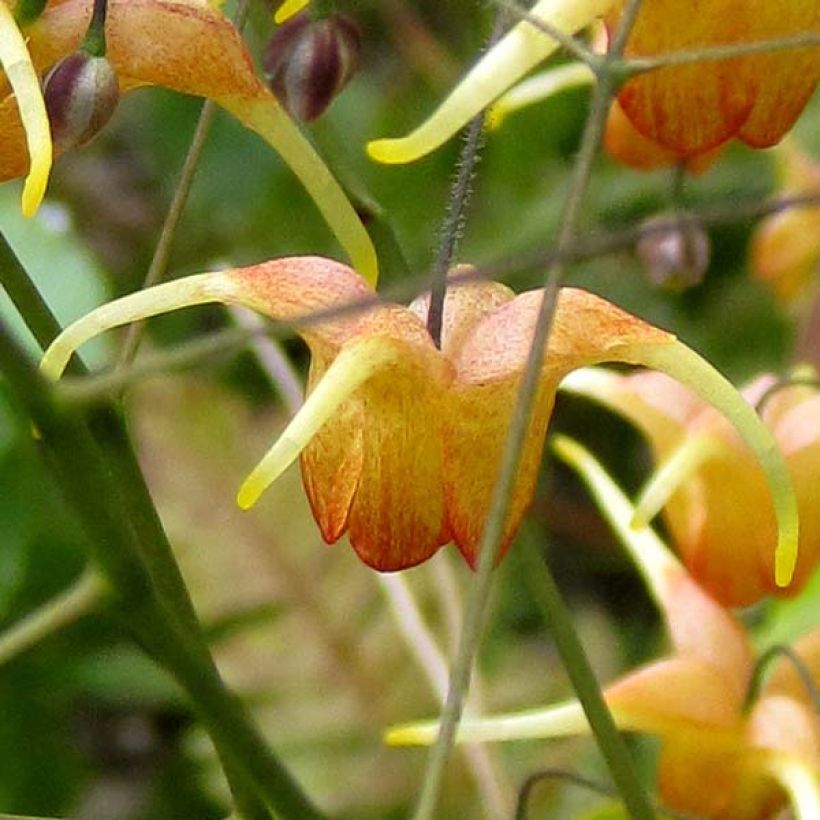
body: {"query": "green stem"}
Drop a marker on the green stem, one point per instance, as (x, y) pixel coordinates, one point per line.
(81, 598)
(622, 770)
(94, 41)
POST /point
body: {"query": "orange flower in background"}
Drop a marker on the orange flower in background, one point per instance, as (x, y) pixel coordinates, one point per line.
(401, 442)
(685, 109)
(716, 505)
(695, 107)
(785, 247)
(184, 45)
(721, 758)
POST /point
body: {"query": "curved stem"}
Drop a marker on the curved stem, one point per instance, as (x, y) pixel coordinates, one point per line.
(81, 598)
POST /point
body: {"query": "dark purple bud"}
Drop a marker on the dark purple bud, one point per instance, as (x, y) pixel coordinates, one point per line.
(308, 62)
(674, 250)
(81, 93)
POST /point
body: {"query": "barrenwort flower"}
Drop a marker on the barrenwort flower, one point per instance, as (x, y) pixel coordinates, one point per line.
(400, 441)
(721, 758)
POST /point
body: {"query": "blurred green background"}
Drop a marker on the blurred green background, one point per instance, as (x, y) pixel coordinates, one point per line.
(88, 727)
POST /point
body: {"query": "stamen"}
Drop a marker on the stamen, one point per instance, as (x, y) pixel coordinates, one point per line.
(653, 559)
(354, 365)
(503, 65)
(691, 370)
(671, 475)
(268, 119)
(538, 88)
(22, 77)
(561, 720)
(192, 290)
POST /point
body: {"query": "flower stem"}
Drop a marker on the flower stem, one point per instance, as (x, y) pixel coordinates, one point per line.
(94, 41)
(81, 598)
(623, 772)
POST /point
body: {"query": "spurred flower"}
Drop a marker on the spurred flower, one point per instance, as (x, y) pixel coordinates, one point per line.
(185, 45)
(684, 109)
(400, 442)
(716, 505)
(721, 759)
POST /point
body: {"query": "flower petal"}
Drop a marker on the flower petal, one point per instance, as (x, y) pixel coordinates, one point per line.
(694, 107)
(503, 65)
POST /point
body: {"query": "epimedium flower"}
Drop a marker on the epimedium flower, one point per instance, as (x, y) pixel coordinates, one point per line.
(184, 45)
(400, 441)
(686, 109)
(756, 757)
(713, 495)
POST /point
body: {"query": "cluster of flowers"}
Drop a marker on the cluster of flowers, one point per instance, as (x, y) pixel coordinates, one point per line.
(386, 403)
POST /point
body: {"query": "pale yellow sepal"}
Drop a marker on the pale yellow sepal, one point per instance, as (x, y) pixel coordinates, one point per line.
(538, 88)
(503, 65)
(288, 9)
(799, 780)
(23, 79)
(354, 365)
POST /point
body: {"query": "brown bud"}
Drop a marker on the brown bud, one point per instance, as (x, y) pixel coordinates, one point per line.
(308, 62)
(674, 250)
(81, 93)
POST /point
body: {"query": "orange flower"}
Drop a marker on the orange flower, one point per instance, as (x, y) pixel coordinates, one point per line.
(785, 248)
(717, 508)
(185, 45)
(719, 759)
(756, 98)
(686, 109)
(400, 442)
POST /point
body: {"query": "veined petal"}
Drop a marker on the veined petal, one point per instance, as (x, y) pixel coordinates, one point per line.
(192, 48)
(393, 423)
(503, 65)
(22, 77)
(694, 107)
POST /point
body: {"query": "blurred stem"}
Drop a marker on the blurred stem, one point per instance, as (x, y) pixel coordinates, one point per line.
(81, 598)
(620, 764)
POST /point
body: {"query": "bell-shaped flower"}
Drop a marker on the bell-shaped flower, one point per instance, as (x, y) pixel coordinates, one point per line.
(721, 758)
(401, 442)
(686, 109)
(184, 45)
(714, 498)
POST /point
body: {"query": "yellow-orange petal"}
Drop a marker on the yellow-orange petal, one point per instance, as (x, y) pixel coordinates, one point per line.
(695, 107)
(25, 84)
(396, 514)
(586, 329)
(783, 80)
(784, 678)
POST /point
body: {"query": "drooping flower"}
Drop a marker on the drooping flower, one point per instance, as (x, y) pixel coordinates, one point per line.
(721, 758)
(716, 505)
(400, 442)
(184, 45)
(685, 109)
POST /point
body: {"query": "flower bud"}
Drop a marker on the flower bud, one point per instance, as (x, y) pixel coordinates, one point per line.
(673, 251)
(308, 62)
(81, 93)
